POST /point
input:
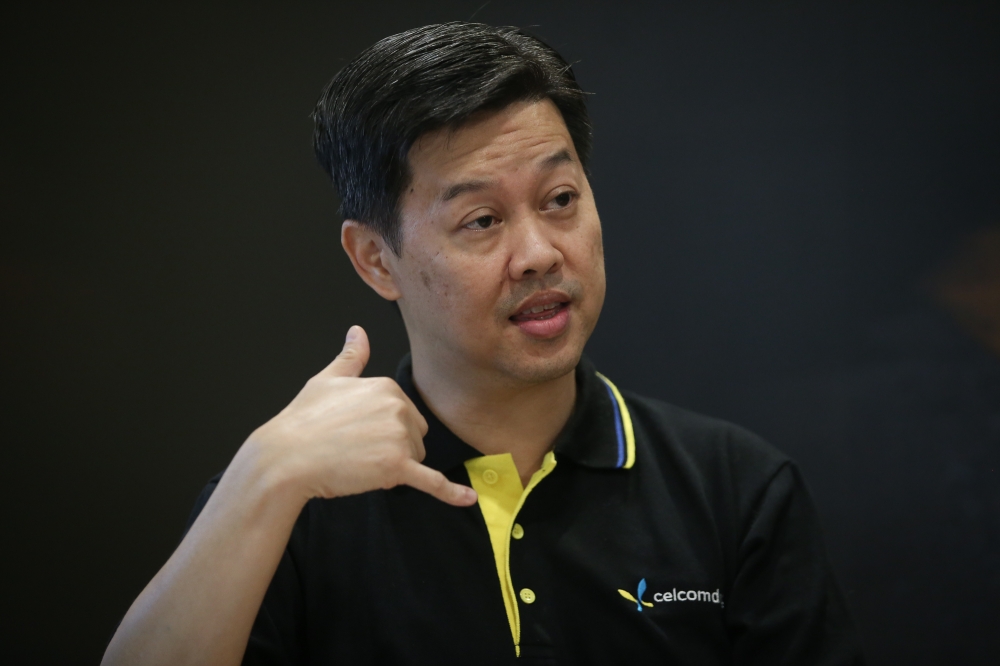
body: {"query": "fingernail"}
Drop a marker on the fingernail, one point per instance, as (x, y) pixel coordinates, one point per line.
(352, 334)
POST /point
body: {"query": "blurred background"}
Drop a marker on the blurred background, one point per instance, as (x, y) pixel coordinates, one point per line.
(801, 204)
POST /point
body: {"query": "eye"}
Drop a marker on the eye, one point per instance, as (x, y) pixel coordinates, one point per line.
(562, 200)
(482, 223)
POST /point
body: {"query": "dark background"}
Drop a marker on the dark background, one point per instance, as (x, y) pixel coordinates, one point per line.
(779, 184)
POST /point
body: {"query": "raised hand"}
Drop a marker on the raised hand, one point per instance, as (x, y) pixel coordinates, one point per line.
(344, 434)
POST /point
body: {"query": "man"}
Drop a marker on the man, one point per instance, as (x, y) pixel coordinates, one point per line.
(600, 527)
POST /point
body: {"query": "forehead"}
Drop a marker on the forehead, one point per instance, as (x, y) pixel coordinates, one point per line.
(501, 141)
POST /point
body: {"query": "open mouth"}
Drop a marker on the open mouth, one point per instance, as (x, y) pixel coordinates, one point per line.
(539, 312)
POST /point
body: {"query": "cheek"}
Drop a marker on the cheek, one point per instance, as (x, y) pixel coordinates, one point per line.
(597, 237)
(430, 284)
(597, 249)
(455, 285)
(589, 252)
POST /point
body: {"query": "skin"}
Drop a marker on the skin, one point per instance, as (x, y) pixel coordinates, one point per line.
(528, 230)
(457, 283)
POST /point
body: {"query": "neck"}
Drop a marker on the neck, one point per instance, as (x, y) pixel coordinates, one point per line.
(494, 415)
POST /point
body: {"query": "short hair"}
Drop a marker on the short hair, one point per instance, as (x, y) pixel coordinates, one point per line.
(421, 80)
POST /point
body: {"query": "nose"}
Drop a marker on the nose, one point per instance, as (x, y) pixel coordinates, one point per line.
(533, 253)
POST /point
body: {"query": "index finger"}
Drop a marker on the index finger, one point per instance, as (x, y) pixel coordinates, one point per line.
(436, 484)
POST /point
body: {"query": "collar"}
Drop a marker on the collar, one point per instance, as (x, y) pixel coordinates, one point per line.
(597, 434)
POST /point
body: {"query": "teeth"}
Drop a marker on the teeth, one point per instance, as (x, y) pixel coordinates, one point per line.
(541, 308)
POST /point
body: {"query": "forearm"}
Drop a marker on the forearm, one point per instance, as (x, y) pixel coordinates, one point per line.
(341, 435)
(200, 607)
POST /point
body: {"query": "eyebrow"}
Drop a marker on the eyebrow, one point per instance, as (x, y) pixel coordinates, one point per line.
(555, 159)
(458, 189)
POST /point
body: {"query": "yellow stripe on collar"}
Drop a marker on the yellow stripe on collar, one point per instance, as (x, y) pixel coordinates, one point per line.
(626, 423)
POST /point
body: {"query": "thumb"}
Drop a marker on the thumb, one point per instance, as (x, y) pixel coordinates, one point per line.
(353, 358)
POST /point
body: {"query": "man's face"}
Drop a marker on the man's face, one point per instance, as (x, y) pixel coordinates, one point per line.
(502, 266)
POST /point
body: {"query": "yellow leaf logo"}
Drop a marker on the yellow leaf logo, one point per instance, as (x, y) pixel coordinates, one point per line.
(639, 603)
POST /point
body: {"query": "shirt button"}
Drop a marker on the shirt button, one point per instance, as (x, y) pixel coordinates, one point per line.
(527, 596)
(517, 532)
(490, 476)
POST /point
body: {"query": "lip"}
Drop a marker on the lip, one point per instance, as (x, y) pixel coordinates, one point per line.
(547, 297)
(552, 323)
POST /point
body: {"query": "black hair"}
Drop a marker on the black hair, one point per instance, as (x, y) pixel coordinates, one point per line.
(421, 80)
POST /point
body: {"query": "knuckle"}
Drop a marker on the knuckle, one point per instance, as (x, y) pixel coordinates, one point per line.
(383, 384)
(390, 472)
(392, 430)
(399, 407)
(371, 386)
(392, 460)
(438, 483)
(399, 433)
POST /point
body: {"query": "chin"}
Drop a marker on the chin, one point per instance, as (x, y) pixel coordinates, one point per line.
(542, 364)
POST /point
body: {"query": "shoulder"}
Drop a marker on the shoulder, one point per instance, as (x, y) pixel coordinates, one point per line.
(705, 450)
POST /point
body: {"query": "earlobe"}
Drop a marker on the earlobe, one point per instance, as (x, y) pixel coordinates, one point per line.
(369, 254)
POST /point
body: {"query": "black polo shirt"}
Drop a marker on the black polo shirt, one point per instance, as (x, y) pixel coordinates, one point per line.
(650, 532)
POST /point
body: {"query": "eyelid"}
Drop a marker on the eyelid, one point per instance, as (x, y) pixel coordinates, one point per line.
(574, 195)
(496, 218)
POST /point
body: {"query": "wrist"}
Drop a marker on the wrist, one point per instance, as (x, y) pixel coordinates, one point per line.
(263, 480)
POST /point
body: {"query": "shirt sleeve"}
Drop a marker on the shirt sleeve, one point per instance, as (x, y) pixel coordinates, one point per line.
(276, 638)
(785, 606)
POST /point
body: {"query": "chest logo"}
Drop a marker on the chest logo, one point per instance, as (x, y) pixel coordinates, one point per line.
(714, 597)
(637, 599)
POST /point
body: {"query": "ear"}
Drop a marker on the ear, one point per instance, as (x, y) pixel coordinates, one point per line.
(370, 256)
